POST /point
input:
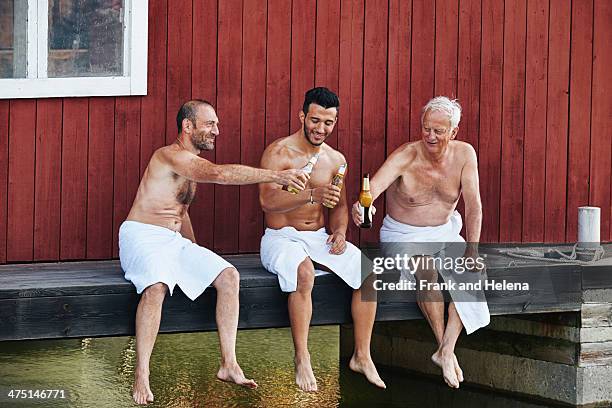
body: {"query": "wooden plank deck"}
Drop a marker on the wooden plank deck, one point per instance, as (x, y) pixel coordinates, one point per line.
(90, 299)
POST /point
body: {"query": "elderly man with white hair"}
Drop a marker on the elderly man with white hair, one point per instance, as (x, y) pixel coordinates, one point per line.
(423, 181)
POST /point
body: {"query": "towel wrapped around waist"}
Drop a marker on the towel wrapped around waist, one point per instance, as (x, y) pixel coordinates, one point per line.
(282, 251)
(443, 242)
(151, 254)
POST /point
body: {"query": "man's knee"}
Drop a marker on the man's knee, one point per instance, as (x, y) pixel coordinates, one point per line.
(305, 276)
(155, 293)
(228, 280)
(429, 275)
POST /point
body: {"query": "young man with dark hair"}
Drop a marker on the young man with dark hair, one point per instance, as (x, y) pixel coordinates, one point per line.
(295, 237)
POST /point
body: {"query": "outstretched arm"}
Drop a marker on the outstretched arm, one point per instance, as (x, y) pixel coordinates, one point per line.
(201, 170)
(384, 177)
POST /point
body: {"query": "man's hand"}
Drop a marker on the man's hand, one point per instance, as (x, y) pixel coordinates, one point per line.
(357, 214)
(295, 178)
(337, 241)
(328, 194)
(471, 253)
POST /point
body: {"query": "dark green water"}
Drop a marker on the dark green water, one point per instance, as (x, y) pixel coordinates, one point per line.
(99, 372)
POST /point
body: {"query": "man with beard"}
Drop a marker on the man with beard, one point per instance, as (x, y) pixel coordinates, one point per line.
(295, 238)
(157, 245)
(424, 181)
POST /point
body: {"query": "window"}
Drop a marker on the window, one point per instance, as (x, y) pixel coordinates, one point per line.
(53, 48)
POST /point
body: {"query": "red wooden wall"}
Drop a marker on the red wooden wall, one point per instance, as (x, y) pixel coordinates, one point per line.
(533, 77)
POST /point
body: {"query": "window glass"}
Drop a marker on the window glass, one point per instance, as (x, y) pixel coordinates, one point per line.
(85, 38)
(13, 38)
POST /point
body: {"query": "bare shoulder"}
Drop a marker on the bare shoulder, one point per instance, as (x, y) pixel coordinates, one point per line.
(405, 153)
(173, 155)
(277, 155)
(465, 150)
(334, 155)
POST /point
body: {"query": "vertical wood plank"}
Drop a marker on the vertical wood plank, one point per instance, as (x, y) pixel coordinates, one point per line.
(302, 55)
(153, 121)
(374, 99)
(579, 114)
(446, 37)
(398, 86)
(20, 209)
(423, 51)
(536, 78)
(178, 73)
(47, 179)
(100, 178)
(126, 171)
(204, 86)
(253, 116)
(557, 120)
(228, 100)
(278, 70)
(4, 159)
(601, 129)
(327, 51)
(350, 89)
(468, 83)
(489, 145)
(513, 122)
(73, 241)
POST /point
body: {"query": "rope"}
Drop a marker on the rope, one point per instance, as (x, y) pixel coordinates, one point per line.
(596, 253)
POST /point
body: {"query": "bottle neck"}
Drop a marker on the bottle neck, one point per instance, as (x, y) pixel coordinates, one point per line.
(365, 185)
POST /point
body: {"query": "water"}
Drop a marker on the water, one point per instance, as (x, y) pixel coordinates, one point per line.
(99, 372)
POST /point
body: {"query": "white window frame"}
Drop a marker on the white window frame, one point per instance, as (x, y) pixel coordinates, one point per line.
(37, 85)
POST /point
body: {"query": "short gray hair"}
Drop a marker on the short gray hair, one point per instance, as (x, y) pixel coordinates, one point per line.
(445, 105)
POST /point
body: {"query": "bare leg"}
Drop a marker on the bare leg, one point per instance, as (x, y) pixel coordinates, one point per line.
(364, 313)
(431, 303)
(227, 285)
(445, 355)
(148, 316)
(300, 313)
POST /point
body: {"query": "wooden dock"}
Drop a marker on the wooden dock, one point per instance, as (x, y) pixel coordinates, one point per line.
(90, 299)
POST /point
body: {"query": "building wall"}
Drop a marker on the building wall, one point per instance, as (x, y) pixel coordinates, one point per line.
(533, 78)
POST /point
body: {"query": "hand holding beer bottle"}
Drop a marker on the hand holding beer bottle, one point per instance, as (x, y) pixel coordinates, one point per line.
(338, 181)
(363, 210)
(307, 169)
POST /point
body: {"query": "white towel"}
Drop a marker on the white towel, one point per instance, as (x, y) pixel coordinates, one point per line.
(150, 254)
(439, 241)
(283, 250)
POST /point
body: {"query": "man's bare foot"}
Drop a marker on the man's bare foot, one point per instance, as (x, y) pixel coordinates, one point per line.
(447, 363)
(366, 367)
(233, 373)
(141, 392)
(304, 377)
(458, 369)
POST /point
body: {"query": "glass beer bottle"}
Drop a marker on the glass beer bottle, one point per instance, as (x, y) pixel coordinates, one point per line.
(307, 169)
(365, 200)
(338, 180)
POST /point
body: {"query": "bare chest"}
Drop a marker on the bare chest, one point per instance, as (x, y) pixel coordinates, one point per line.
(422, 186)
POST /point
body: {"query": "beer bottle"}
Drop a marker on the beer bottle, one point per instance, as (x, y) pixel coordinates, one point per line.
(307, 169)
(338, 180)
(365, 200)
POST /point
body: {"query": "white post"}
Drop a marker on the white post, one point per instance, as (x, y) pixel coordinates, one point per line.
(588, 227)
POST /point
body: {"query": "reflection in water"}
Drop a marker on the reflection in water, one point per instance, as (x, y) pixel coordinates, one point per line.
(99, 372)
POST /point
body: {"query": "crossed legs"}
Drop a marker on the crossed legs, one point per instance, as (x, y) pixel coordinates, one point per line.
(148, 316)
(431, 303)
(300, 314)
